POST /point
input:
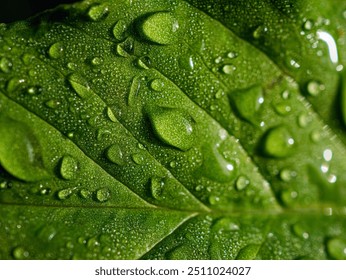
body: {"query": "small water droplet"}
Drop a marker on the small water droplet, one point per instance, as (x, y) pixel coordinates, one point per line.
(92, 243)
(173, 127)
(315, 136)
(304, 120)
(56, 50)
(159, 28)
(84, 193)
(115, 155)
(242, 182)
(300, 231)
(102, 195)
(138, 158)
(219, 94)
(96, 61)
(68, 167)
(157, 84)
(53, 104)
(228, 69)
(308, 24)
(64, 194)
(110, 115)
(232, 55)
(288, 197)
(173, 164)
(249, 252)
(259, 32)
(144, 62)
(98, 12)
(247, 102)
(282, 108)
(119, 30)
(19, 253)
(5, 65)
(327, 154)
(156, 187)
(287, 175)
(336, 248)
(278, 142)
(80, 85)
(34, 90)
(314, 88)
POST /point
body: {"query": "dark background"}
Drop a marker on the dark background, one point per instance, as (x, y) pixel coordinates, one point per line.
(14, 10)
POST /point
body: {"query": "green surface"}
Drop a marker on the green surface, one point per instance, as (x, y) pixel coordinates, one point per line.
(174, 130)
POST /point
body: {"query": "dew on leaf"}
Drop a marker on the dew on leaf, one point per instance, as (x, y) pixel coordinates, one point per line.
(213, 199)
(157, 84)
(102, 195)
(219, 94)
(68, 167)
(119, 30)
(96, 61)
(308, 24)
(5, 65)
(84, 193)
(138, 158)
(134, 90)
(111, 115)
(300, 231)
(327, 154)
(242, 182)
(259, 32)
(98, 12)
(14, 84)
(53, 104)
(247, 102)
(126, 48)
(144, 62)
(159, 28)
(228, 69)
(64, 194)
(314, 88)
(80, 85)
(282, 108)
(34, 90)
(56, 50)
(225, 224)
(232, 55)
(20, 253)
(336, 248)
(286, 174)
(114, 154)
(288, 197)
(278, 142)
(249, 252)
(156, 187)
(46, 233)
(24, 159)
(315, 136)
(173, 127)
(304, 120)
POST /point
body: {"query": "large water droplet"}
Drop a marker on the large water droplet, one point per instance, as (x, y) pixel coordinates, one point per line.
(46, 233)
(80, 85)
(156, 187)
(159, 28)
(119, 30)
(20, 151)
(53, 104)
(144, 62)
(115, 155)
(5, 65)
(173, 127)
(282, 108)
(68, 167)
(157, 84)
(278, 142)
(102, 195)
(15, 84)
(98, 12)
(247, 102)
(56, 50)
(336, 248)
(19, 253)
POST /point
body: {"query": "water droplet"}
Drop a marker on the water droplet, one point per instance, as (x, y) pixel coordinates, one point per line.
(308, 24)
(225, 224)
(232, 55)
(315, 136)
(119, 30)
(5, 65)
(96, 61)
(159, 28)
(144, 62)
(124, 49)
(173, 164)
(304, 120)
(34, 90)
(102, 195)
(115, 155)
(314, 88)
(336, 248)
(110, 115)
(84, 193)
(65, 193)
(249, 252)
(15, 84)
(98, 12)
(134, 90)
(293, 63)
(242, 182)
(288, 197)
(70, 134)
(282, 108)
(68, 167)
(20, 151)
(138, 158)
(53, 104)
(80, 85)
(213, 200)
(287, 175)
(156, 187)
(173, 127)
(19, 253)
(46, 233)
(157, 84)
(228, 69)
(219, 94)
(56, 50)
(260, 31)
(327, 154)
(247, 102)
(300, 231)
(278, 142)
(92, 243)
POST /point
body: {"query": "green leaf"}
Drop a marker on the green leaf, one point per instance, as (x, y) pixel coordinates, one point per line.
(174, 130)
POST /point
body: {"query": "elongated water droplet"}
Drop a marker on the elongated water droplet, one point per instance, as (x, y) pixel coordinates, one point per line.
(288, 197)
(80, 85)
(115, 155)
(159, 28)
(68, 167)
(314, 88)
(119, 30)
(247, 102)
(110, 115)
(53, 104)
(20, 151)
(46, 233)
(242, 182)
(144, 62)
(56, 50)
(64, 194)
(286, 174)
(157, 84)
(98, 12)
(126, 48)
(278, 142)
(5, 65)
(173, 127)
(336, 248)
(156, 187)
(102, 195)
(304, 120)
(134, 90)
